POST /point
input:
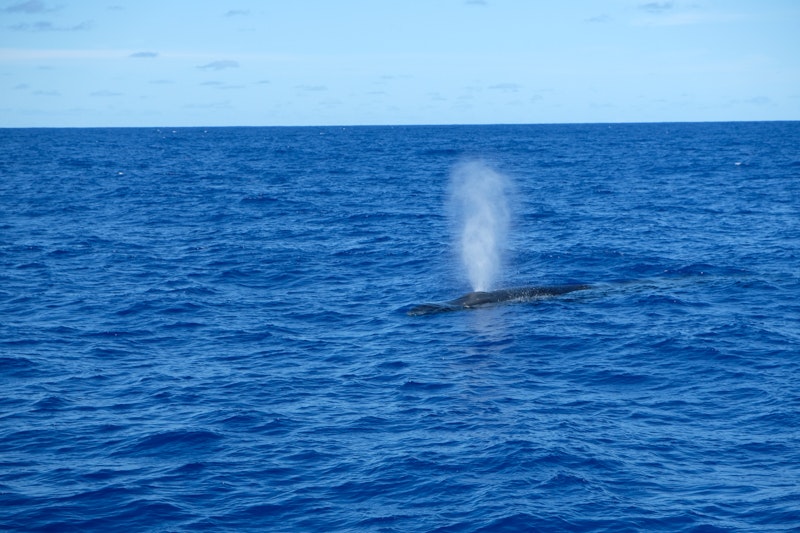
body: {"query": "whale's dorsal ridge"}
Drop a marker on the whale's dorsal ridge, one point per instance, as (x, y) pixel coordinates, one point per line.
(471, 299)
(482, 298)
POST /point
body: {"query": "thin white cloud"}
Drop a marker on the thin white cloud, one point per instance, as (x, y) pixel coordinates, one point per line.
(656, 7)
(509, 87)
(688, 18)
(225, 104)
(219, 65)
(25, 54)
(758, 100)
(31, 6)
(311, 88)
(45, 26)
(599, 19)
(144, 55)
(34, 54)
(221, 85)
(105, 94)
(666, 14)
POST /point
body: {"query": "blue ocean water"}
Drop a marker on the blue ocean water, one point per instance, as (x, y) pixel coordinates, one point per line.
(206, 330)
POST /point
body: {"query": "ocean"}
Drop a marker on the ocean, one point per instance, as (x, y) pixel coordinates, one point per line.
(209, 329)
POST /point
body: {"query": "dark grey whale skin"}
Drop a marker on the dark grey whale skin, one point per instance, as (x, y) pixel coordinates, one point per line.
(473, 300)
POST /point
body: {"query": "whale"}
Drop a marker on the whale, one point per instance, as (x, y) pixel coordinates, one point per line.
(477, 299)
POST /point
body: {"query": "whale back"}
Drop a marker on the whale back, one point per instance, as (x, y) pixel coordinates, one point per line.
(475, 299)
(472, 299)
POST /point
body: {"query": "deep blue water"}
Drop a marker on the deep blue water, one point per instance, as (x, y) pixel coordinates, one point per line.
(205, 330)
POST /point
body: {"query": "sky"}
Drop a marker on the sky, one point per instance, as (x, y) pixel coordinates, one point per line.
(178, 63)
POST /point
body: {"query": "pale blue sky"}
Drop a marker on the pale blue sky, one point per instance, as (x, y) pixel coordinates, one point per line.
(347, 62)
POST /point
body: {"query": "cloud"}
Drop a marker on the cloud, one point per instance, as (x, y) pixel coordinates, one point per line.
(665, 14)
(509, 87)
(656, 7)
(599, 18)
(31, 6)
(311, 88)
(393, 77)
(43, 26)
(22, 87)
(219, 65)
(221, 85)
(25, 54)
(144, 54)
(688, 18)
(225, 104)
(758, 100)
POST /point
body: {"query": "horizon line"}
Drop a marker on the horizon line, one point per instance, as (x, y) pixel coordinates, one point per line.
(602, 123)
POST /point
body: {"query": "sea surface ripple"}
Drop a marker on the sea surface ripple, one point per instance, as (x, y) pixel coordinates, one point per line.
(205, 330)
